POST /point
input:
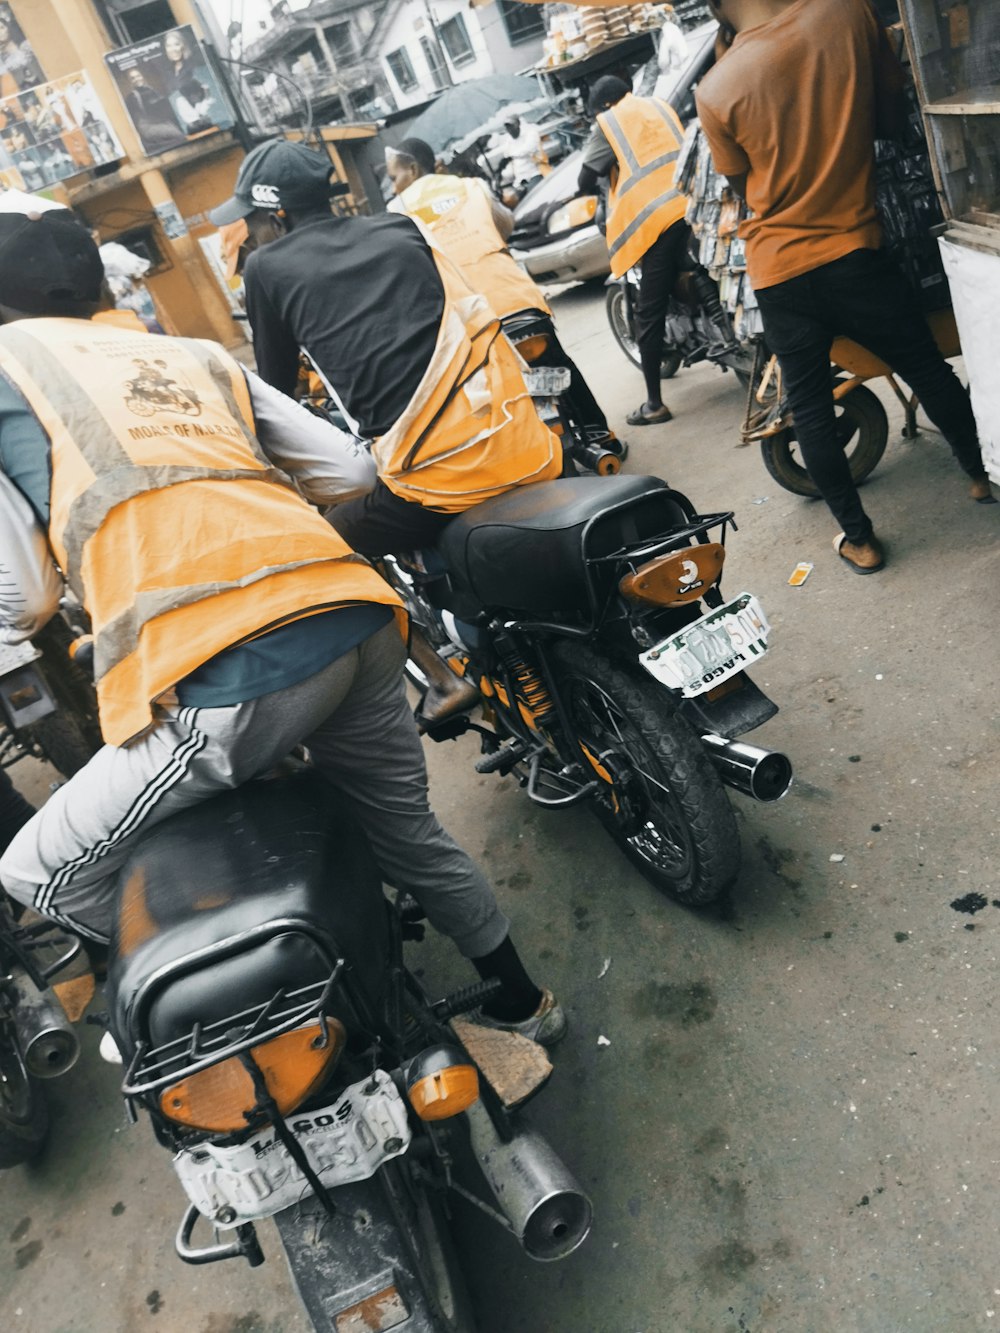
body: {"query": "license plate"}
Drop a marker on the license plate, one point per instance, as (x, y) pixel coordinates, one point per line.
(703, 655)
(344, 1143)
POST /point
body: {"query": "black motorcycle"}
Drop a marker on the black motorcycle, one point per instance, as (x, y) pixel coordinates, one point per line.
(697, 327)
(555, 396)
(610, 667)
(47, 707)
(293, 1066)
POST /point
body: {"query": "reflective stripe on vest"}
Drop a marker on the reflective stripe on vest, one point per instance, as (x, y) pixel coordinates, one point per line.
(645, 135)
(459, 217)
(471, 430)
(169, 522)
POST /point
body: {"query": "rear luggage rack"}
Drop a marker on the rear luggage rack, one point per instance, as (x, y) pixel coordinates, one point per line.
(153, 1068)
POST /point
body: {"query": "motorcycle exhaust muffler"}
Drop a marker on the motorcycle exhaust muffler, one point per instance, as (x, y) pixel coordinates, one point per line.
(47, 1042)
(765, 775)
(547, 1210)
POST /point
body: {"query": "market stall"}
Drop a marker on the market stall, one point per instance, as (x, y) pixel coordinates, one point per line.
(954, 47)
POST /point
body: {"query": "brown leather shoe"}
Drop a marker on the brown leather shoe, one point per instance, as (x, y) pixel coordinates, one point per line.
(982, 492)
(863, 557)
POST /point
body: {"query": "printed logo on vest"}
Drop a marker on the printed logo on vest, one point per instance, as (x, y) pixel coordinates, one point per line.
(151, 391)
(265, 195)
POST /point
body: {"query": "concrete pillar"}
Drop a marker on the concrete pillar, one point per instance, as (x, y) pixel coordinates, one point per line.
(187, 253)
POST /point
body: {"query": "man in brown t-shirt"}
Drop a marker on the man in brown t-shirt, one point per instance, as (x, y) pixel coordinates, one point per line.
(791, 114)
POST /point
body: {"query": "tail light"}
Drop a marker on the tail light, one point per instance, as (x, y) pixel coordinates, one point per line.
(533, 347)
(221, 1098)
(441, 1083)
(677, 578)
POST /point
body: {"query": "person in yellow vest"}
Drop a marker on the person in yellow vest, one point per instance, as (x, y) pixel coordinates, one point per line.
(472, 228)
(231, 622)
(415, 361)
(634, 144)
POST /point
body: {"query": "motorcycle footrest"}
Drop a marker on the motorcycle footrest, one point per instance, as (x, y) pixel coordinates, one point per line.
(504, 759)
(465, 1000)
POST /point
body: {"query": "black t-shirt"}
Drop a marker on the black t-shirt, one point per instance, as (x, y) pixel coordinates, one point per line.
(363, 297)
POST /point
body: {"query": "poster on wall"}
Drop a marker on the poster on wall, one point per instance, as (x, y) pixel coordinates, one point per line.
(54, 130)
(19, 67)
(169, 91)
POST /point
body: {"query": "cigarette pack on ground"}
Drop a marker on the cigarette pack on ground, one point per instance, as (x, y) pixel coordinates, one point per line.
(799, 574)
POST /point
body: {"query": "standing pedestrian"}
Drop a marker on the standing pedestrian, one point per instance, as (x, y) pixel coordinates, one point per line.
(634, 144)
(791, 113)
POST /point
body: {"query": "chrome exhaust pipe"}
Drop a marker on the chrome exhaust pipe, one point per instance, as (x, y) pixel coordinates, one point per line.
(547, 1210)
(46, 1039)
(765, 775)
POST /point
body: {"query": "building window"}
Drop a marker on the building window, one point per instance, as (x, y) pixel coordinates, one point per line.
(455, 40)
(523, 22)
(401, 69)
(435, 62)
(135, 20)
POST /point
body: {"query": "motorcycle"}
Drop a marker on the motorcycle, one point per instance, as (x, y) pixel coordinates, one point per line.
(697, 327)
(291, 1063)
(611, 669)
(47, 707)
(550, 385)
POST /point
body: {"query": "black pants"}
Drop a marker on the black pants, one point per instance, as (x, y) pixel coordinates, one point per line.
(661, 265)
(862, 296)
(380, 523)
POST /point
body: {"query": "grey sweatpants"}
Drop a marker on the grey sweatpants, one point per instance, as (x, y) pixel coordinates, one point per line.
(354, 717)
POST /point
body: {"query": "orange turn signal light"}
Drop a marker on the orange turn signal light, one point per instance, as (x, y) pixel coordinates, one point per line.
(220, 1098)
(677, 578)
(440, 1082)
(532, 348)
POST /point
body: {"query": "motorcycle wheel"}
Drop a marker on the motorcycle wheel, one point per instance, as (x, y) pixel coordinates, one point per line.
(61, 742)
(617, 312)
(662, 801)
(420, 1217)
(863, 431)
(24, 1115)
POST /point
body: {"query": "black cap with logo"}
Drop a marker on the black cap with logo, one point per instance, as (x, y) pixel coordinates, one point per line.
(276, 175)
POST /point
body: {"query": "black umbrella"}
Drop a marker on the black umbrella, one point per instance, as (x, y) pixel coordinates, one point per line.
(460, 109)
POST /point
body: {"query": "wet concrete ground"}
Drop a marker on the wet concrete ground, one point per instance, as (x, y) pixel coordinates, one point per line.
(792, 1129)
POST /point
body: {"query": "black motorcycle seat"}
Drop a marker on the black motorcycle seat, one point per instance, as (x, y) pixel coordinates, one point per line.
(224, 904)
(527, 549)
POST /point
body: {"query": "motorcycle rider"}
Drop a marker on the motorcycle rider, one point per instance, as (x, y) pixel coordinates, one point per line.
(472, 229)
(634, 143)
(416, 362)
(791, 113)
(230, 621)
(520, 148)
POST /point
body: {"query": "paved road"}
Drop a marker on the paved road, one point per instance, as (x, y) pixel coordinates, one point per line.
(792, 1129)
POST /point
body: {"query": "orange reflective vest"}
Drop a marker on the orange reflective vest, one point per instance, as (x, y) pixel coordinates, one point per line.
(645, 135)
(471, 430)
(171, 525)
(458, 215)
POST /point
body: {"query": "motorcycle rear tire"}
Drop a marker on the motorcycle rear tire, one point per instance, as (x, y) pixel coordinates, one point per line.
(698, 857)
(24, 1114)
(420, 1216)
(863, 428)
(614, 305)
(62, 742)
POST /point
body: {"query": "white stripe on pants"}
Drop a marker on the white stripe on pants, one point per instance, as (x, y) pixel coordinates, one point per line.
(356, 721)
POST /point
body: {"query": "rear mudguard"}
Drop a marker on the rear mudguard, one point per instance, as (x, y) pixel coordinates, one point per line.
(735, 713)
(358, 1260)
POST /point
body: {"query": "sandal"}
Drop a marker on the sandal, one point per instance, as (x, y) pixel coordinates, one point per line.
(640, 417)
